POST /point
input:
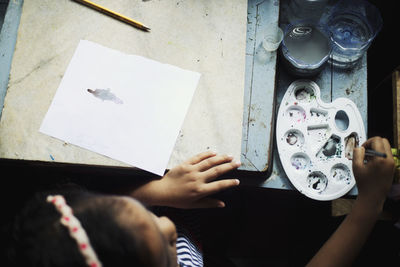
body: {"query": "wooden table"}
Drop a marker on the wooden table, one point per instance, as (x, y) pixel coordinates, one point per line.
(203, 36)
(236, 101)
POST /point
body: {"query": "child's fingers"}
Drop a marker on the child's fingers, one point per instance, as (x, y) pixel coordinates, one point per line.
(387, 147)
(358, 157)
(212, 162)
(217, 186)
(219, 170)
(200, 157)
(367, 144)
(375, 143)
(207, 202)
(378, 144)
(389, 161)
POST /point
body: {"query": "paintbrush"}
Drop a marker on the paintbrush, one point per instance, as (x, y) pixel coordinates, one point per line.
(373, 153)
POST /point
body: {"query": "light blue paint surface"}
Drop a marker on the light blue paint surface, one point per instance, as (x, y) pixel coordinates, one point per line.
(8, 37)
(259, 93)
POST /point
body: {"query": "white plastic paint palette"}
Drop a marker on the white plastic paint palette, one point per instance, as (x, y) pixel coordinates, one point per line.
(316, 139)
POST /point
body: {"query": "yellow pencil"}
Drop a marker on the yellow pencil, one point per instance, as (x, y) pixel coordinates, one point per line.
(114, 14)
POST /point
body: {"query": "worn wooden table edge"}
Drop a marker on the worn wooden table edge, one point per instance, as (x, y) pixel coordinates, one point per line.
(8, 38)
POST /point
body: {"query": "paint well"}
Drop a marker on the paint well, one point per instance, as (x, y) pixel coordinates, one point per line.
(342, 120)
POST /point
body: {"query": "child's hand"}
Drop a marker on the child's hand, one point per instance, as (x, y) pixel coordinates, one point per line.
(375, 177)
(189, 184)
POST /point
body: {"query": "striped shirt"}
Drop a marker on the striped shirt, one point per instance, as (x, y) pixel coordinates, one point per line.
(188, 252)
(188, 245)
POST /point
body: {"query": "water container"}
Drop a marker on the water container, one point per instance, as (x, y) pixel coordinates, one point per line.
(305, 48)
(353, 25)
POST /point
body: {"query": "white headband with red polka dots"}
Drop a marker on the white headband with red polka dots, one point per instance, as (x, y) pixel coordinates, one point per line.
(75, 229)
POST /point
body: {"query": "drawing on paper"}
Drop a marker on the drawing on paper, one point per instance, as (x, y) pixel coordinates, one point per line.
(105, 94)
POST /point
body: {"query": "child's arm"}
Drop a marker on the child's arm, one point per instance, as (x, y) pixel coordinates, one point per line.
(189, 184)
(374, 180)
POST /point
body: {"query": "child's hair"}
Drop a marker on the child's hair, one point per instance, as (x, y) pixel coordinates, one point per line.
(39, 239)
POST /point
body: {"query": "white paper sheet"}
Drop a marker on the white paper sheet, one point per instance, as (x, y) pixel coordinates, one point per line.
(143, 107)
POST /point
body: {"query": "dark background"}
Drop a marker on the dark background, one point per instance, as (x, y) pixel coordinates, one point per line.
(383, 58)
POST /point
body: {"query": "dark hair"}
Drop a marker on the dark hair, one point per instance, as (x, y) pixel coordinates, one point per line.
(39, 239)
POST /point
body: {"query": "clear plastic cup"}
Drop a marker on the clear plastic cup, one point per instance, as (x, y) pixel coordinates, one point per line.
(272, 39)
(305, 48)
(353, 25)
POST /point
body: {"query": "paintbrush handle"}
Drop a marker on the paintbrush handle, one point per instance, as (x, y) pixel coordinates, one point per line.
(373, 153)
